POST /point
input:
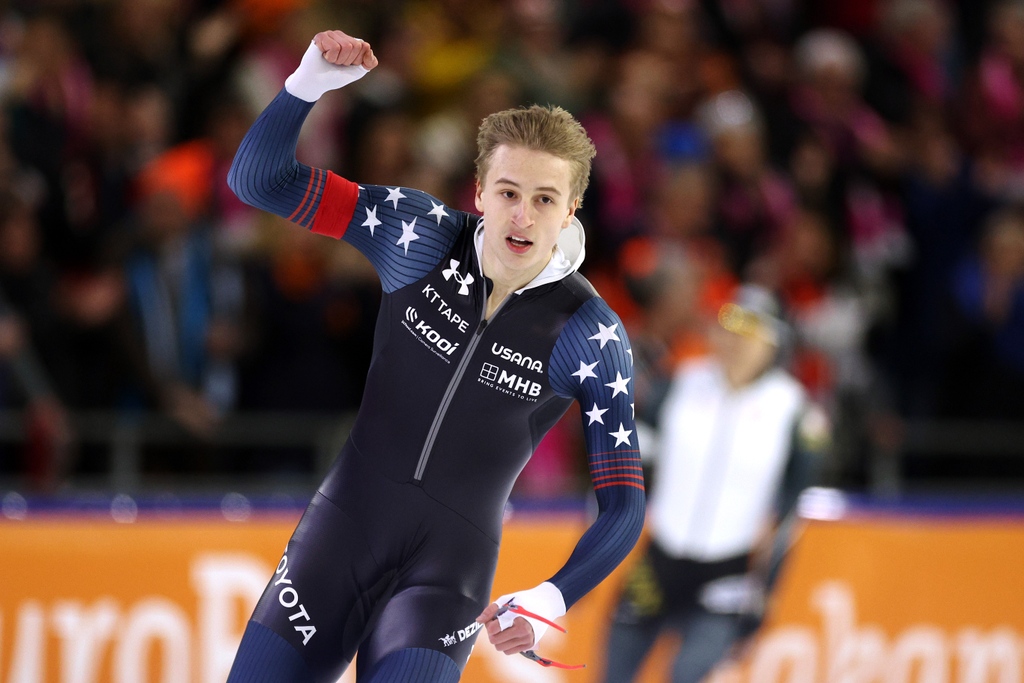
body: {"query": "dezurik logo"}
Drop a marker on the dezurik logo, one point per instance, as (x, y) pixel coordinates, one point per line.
(459, 636)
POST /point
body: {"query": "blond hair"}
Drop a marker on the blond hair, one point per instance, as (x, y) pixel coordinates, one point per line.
(545, 129)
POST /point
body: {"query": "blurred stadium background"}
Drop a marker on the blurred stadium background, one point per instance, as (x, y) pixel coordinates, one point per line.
(177, 370)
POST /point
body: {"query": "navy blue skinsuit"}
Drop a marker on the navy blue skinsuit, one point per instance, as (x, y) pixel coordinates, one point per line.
(398, 547)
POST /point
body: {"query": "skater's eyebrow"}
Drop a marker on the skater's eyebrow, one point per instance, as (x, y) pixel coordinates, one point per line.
(546, 188)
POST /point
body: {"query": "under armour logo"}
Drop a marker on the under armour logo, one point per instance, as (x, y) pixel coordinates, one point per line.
(464, 280)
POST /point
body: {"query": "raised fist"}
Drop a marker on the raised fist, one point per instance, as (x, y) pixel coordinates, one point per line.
(332, 60)
(344, 50)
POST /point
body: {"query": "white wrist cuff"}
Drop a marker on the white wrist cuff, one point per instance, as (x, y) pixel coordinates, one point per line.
(545, 600)
(316, 75)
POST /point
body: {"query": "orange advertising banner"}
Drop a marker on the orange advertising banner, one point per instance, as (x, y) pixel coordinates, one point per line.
(897, 600)
(891, 600)
(92, 600)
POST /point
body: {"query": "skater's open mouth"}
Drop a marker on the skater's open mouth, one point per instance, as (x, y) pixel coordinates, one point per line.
(518, 243)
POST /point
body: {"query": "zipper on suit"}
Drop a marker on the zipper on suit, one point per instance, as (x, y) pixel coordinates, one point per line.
(453, 385)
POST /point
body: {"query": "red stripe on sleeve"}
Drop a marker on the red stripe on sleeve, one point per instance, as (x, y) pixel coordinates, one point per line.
(620, 483)
(620, 477)
(627, 468)
(305, 197)
(318, 180)
(337, 206)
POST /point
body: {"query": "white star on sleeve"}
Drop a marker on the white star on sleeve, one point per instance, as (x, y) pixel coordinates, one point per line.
(438, 211)
(606, 334)
(586, 371)
(619, 385)
(630, 352)
(394, 194)
(371, 221)
(621, 436)
(595, 414)
(408, 235)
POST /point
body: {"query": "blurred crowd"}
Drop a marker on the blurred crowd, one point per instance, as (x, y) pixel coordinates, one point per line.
(863, 159)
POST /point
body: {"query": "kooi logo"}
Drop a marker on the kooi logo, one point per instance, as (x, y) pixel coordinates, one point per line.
(429, 333)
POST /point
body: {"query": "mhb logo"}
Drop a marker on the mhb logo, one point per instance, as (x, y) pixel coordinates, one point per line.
(509, 381)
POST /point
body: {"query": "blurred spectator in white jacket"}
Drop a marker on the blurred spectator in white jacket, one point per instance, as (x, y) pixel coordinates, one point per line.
(737, 439)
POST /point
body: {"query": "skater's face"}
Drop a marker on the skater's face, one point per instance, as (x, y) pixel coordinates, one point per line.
(526, 201)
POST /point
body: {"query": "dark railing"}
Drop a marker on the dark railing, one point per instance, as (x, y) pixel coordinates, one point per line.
(124, 438)
(973, 444)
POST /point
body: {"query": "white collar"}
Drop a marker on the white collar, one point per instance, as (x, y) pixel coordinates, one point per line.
(567, 257)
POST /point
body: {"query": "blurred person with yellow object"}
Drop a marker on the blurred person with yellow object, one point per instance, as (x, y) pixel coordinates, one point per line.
(736, 441)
